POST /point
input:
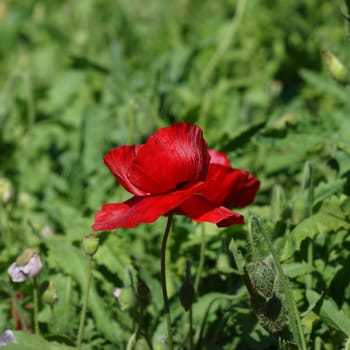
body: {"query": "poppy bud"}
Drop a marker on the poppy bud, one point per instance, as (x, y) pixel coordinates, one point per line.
(143, 291)
(127, 298)
(274, 315)
(277, 202)
(303, 201)
(7, 337)
(6, 191)
(273, 307)
(137, 344)
(27, 265)
(262, 278)
(223, 263)
(187, 295)
(50, 295)
(90, 244)
(336, 68)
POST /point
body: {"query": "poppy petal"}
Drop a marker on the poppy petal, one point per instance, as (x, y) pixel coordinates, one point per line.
(118, 160)
(199, 209)
(218, 158)
(244, 191)
(139, 210)
(170, 159)
(229, 187)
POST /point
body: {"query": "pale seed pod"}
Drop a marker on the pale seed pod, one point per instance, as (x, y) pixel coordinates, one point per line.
(27, 265)
(50, 296)
(90, 244)
(336, 68)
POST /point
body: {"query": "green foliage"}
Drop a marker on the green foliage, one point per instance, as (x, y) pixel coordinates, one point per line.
(78, 78)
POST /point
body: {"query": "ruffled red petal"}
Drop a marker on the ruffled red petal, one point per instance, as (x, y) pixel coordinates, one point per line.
(199, 209)
(139, 210)
(118, 160)
(170, 159)
(244, 191)
(218, 158)
(229, 187)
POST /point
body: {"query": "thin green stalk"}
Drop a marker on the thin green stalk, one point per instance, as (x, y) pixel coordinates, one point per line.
(237, 256)
(30, 100)
(190, 332)
(53, 318)
(310, 259)
(35, 302)
(139, 325)
(252, 245)
(292, 307)
(163, 281)
(201, 259)
(225, 43)
(85, 302)
(4, 226)
(307, 189)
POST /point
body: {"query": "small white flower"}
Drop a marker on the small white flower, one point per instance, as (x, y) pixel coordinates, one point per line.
(7, 337)
(27, 266)
(6, 191)
(116, 292)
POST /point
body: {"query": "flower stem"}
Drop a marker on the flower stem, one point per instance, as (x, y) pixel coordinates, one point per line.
(35, 302)
(225, 42)
(201, 259)
(295, 321)
(139, 325)
(190, 332)
(53, 319)
(163, 281)
(85, 302)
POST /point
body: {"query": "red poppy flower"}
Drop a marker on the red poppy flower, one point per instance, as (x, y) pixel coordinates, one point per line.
(175, 171)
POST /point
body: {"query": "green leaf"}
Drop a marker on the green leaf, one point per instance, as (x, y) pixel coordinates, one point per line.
(296, 269)
(325, 85)
(63, 89)
(330, 312)
(243, 136)
(72, 262)
(325, 190)
(319, 223)
(25, 341)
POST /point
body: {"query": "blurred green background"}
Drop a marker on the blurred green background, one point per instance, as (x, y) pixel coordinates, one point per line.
(78, 78)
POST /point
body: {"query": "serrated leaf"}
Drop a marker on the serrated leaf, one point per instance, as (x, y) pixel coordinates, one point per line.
(325, 190)
(319, 223)
(25, 341)
(325, 85)
(330, 312)
(308, 321)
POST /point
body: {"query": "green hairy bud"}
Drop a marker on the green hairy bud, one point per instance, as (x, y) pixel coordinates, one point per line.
(262, 278)
(50, 296)
(90, 244)
(335, 67)
(127, 298)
